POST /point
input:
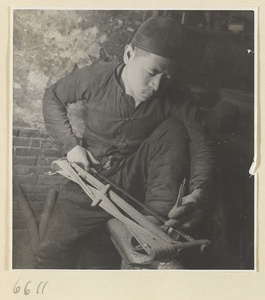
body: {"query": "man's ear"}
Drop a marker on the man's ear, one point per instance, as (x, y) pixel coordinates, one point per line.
(129, 53)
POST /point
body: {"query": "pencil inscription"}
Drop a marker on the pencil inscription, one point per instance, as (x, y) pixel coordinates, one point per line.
(30, 287)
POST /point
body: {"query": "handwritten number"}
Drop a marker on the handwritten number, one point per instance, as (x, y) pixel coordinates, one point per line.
(26, 290)
(39, 290)
(16, 289)
(39, 287)
(44, 286)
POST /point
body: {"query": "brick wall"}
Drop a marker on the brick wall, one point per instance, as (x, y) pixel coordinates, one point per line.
(32, 157)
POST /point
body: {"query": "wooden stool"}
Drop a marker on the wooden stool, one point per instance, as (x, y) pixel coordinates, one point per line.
(123, 240)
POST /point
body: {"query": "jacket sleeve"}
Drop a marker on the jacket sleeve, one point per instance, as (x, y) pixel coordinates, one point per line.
(56, 98)
(201, 152)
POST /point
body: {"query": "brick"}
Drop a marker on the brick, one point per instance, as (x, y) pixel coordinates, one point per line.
(24, 160)
(55, 179)
(30, 188)
(35, 143)
(32, 133)
(26, 142)
(29, 179)
(17, 141)
(26, 152)
(51, 153)
(15, 132)
(46, 161)
(48, 145)
(40, 170)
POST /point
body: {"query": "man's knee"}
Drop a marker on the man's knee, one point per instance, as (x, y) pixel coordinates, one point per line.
(172, 130)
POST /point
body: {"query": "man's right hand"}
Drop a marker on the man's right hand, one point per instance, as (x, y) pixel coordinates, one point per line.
(82, 157)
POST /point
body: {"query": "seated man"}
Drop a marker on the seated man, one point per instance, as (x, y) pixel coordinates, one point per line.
(142, 131)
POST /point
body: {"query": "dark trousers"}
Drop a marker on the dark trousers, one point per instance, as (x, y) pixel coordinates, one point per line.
(155, 170)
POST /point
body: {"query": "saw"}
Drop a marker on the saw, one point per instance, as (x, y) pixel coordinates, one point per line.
(151, 238)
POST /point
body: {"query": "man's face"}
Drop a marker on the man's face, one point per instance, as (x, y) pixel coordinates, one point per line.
(145, 75)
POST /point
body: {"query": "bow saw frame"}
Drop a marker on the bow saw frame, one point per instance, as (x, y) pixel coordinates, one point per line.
(154, 240)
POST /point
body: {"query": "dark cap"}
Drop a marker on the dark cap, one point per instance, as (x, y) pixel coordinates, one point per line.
(161, 36)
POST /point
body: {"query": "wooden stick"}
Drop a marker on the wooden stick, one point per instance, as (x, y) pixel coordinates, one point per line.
(29, 218)
(47, 212)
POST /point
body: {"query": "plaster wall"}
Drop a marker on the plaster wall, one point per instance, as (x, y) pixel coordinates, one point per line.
(49, 44)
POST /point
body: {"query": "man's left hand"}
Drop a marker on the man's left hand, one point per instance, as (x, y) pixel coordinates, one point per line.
(190, 214)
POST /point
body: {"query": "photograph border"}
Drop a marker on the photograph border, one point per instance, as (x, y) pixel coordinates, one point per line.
(146, 276)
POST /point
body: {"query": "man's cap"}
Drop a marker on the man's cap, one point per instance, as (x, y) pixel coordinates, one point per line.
(161, 36)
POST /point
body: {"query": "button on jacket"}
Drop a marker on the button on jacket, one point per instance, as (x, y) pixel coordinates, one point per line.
(113, 126)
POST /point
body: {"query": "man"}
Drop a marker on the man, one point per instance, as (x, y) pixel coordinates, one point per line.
(142, 131)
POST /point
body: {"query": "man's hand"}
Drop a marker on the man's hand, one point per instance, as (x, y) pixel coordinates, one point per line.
(190, 214)
(82, 157)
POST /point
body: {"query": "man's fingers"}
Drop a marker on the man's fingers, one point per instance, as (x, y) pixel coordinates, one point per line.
(92, 158)
(178, 212)
(174, 223)
(78, 155)
(82, 157)
(187, 221)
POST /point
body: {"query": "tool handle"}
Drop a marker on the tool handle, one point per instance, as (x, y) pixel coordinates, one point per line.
(181, 193)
